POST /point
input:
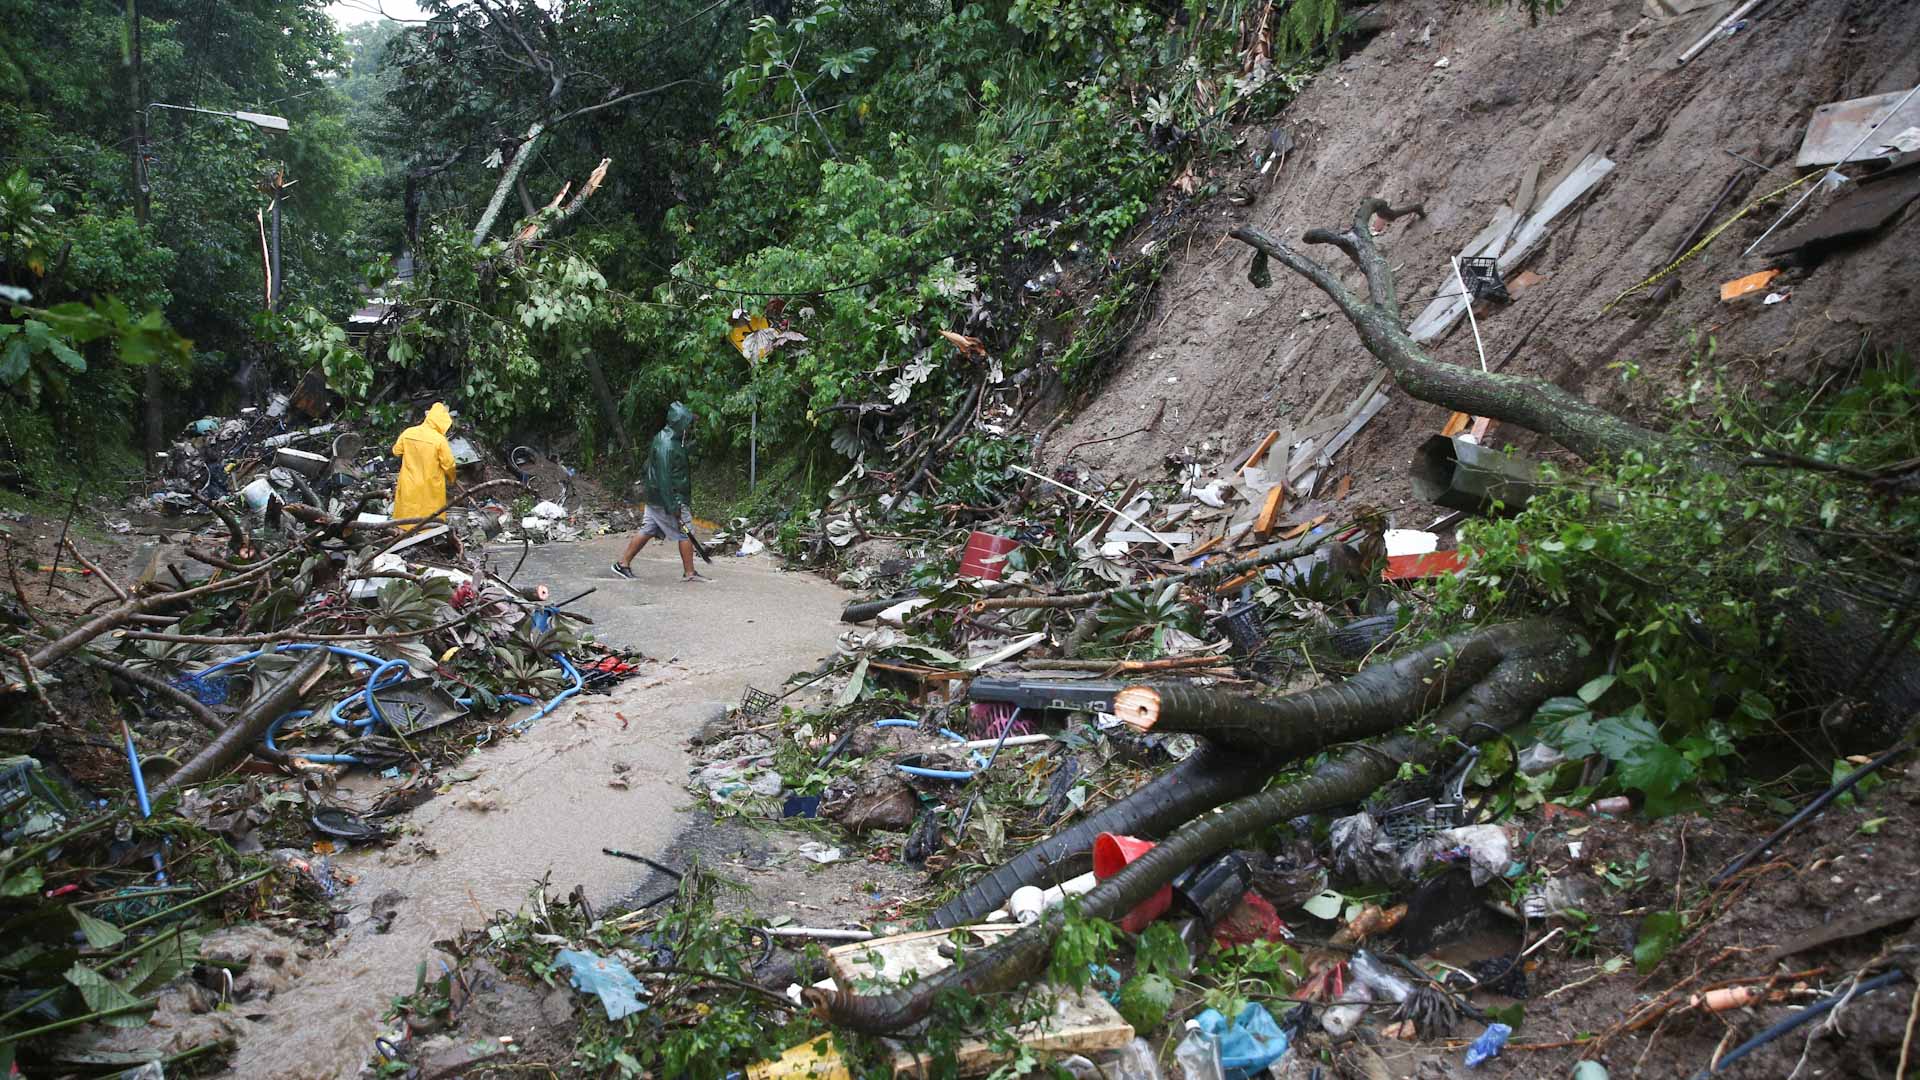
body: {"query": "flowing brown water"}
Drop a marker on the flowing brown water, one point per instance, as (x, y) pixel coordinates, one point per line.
(544, 802)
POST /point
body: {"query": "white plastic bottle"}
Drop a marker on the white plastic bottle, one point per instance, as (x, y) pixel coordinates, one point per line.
(1199, 1055)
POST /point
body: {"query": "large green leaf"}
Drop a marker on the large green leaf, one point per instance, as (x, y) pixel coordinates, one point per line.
(99, 933)
(101, 993)
(1659, 933)
(1144, 1001)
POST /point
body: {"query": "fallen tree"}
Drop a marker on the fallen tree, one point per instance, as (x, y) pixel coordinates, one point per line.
(1842, 647)
(1251, 741)
(1533, 660)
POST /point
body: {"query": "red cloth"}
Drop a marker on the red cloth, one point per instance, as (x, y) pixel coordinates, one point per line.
(1251, 920)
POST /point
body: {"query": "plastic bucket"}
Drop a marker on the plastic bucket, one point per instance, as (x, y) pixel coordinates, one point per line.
(1111, 854)
(985, 556)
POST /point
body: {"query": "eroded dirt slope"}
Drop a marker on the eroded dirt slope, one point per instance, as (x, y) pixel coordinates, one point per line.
(1232, 362)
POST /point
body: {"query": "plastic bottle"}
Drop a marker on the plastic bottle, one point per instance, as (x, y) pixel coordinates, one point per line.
(1199, 1055)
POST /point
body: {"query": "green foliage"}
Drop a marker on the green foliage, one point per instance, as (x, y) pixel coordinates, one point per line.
(1083, 942)
(1658, 934)
(1690, 567)
(1154, 610)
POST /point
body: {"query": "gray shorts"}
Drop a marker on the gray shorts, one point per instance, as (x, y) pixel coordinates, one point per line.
(662, 525)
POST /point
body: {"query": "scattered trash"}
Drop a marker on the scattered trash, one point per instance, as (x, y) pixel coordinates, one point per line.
(1488, 1045)
(1247, 1046)
(609, 980)
(824, 854)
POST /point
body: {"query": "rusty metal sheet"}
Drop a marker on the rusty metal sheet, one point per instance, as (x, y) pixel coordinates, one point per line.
(1837, 125)
(1862, 209)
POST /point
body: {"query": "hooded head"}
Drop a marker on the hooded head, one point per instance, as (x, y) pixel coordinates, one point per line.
(679, 418)
(439, 419)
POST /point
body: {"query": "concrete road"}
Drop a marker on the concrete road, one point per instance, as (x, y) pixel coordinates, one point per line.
(602, 771)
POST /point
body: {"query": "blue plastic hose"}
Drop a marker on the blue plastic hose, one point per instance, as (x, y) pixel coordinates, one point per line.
(381, 674)
(140, 797)
(938, 774)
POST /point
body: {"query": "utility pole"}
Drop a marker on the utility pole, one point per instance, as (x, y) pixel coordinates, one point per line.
(155, 387)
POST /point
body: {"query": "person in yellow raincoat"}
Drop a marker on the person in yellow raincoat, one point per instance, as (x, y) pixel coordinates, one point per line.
(426, 464)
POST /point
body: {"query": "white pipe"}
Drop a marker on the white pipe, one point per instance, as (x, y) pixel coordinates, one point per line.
(1719, 28)
(1016, 740)
(817, 934)
(1101, 503)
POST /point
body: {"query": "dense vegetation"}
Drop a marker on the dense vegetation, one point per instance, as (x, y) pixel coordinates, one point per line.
(866, 172)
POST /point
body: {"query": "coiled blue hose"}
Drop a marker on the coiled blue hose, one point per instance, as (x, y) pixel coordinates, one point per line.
(931, 774)
(382, 673)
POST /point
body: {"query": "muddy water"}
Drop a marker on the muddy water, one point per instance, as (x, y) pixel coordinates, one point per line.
(606, 771)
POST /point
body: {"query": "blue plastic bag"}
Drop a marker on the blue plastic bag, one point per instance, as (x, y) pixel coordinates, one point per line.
(1487, 1046)
(607, 979)
(1250, 1044)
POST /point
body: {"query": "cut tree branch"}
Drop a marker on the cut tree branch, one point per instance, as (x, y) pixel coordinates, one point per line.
(1590, 432)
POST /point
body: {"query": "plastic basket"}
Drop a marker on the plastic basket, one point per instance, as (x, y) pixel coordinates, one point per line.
(1483, 280)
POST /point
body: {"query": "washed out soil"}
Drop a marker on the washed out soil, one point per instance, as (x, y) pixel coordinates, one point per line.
(1448, 108)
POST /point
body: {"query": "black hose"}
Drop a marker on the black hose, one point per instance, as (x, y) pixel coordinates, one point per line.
(1809, 811)
(867, 609)
(1797, 1019)
(1206, 779)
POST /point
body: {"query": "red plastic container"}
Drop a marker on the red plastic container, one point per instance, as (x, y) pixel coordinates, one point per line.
(1111, 854)
(985, 556)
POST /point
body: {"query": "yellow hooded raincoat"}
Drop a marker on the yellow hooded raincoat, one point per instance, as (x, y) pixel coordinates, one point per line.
(426, 464)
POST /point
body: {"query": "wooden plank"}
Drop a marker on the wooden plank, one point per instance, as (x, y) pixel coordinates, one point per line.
(1440, 315)
(1260, 451)
(1233, 583)
(1300, 530)
(1325, 457)
(1307, 459)
(1199, 549)
(1082, 1023)
(1456, 423)
(1263, 524)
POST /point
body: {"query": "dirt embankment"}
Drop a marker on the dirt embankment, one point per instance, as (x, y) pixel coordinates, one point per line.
(1450, 107)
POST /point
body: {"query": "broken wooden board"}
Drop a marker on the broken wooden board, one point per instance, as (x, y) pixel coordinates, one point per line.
(1862, 210)
(1260, 451)
(1270, 509)
(1082, 1023)
(1838, 125)
(1440, 315)
(1494, 237)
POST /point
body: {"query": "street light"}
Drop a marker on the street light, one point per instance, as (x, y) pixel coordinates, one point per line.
(263, 121)
(267, 122)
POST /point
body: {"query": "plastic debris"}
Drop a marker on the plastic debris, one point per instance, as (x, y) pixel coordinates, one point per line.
(824, 854)
(1247, 1046)
(609, 980)
(1487, 1046)
(1198, 1054)
(1368, 969)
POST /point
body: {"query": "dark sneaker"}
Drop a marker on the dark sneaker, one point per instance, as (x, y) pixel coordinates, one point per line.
(623, 571)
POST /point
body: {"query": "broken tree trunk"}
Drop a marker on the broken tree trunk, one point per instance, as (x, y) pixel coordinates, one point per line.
(1834, 642)
(1541, 658)
(508, 179)
(251, 725)
(1366, 705)
(1376, 700)
(1537, 405)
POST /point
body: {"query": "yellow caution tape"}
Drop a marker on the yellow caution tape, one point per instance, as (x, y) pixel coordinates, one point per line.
(1709, 238)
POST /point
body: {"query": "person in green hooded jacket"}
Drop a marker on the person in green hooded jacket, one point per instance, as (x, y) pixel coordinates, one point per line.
(669, 495)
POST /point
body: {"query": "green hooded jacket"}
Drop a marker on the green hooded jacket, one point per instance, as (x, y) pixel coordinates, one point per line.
(669, 482)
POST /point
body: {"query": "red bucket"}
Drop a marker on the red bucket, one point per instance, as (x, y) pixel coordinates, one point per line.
(986, 556)
(1111, 854)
